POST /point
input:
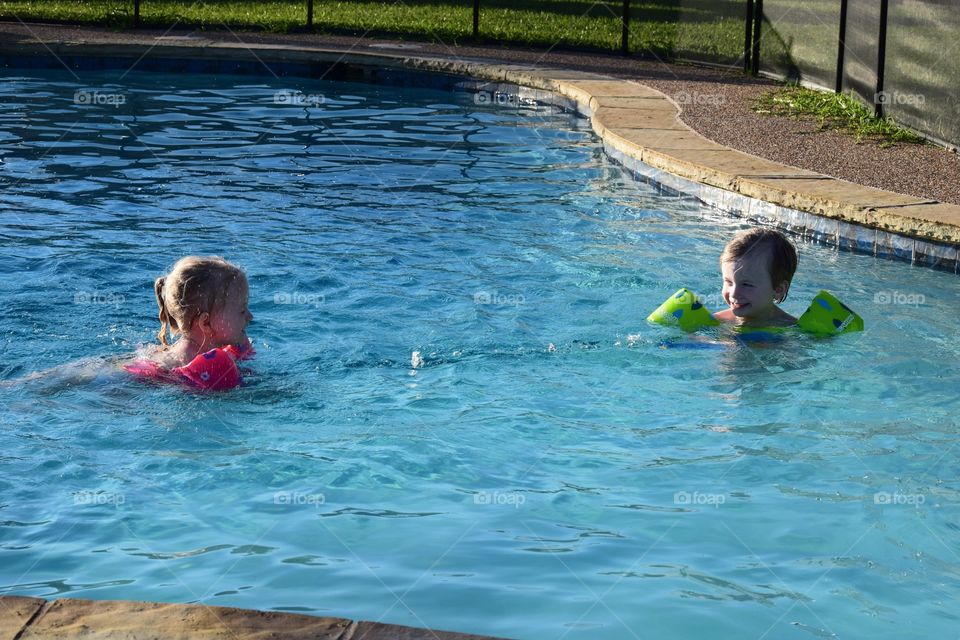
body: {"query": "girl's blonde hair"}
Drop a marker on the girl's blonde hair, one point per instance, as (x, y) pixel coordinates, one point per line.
(195, 285)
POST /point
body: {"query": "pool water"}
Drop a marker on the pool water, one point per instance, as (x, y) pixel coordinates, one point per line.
(458, 416)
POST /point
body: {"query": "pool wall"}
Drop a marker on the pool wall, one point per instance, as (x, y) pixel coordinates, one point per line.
(639, 128)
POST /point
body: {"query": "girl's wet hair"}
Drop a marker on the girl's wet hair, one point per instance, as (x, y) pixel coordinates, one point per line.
(781, 255)
(195, 285)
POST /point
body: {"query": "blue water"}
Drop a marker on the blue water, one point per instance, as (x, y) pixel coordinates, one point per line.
(546, 470)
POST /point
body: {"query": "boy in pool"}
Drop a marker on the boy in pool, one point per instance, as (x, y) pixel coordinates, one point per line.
(204, 300)
(757, 266)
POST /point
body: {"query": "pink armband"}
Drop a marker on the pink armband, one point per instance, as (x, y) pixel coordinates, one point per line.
(215, 370)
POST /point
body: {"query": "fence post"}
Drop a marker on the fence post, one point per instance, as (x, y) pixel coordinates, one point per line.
(841, 49)
(747, 37)
(881, 59)
(310, 15)
(476, 20)
(136, 13)
(757, 19)
(625, 31)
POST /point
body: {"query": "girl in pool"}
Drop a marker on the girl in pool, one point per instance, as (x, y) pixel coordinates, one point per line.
(204, 301)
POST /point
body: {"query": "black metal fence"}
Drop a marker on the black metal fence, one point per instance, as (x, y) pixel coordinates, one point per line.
(899, 57)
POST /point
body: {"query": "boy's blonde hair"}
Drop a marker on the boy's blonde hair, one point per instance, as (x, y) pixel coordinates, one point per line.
(782, 256)
(195, 285)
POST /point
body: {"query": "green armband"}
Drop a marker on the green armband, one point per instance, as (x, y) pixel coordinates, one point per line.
(828, 316)
(685, 310)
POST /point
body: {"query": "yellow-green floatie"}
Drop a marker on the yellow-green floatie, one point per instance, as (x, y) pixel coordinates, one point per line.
(826, 316)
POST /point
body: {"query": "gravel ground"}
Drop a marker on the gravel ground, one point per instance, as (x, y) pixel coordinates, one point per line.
(716, 103)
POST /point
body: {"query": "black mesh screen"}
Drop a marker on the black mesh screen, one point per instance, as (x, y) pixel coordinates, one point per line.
(922, 76)
(711, 31)
(862, 45)
(799, 40)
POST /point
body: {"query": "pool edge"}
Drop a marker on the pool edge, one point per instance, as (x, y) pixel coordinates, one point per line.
(29, 618)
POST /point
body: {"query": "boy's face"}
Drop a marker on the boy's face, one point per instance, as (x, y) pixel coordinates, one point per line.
(747, 287)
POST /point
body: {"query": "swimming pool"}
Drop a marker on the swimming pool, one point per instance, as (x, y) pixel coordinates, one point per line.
(546, 470)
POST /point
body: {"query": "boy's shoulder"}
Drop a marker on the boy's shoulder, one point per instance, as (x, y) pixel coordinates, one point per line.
(781, 319)
(725, 316)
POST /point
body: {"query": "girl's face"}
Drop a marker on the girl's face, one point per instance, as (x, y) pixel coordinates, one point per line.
(229, 324)
(747, 287)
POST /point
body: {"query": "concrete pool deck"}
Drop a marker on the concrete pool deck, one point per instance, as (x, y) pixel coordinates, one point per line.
(23, 618)
(635, 122)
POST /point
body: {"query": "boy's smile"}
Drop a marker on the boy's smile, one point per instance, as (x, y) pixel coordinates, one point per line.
(748, 290)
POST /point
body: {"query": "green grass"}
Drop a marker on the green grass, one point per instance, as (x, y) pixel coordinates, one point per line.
(833, 111)
(660, 27)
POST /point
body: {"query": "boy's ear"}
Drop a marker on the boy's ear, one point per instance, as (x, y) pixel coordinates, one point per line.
(782, 290)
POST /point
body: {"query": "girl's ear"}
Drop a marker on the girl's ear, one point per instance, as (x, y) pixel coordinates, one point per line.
(782, 290)
(203, 323)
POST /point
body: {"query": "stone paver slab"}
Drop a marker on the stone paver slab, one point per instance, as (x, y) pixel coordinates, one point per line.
(379, 631)
(613, 118)
(614, 88)
(835, 198)
(70, 619)
(935, 220)
(666, 139)
(728, 161)
(641, 105)
(724, 169)
(15, 612)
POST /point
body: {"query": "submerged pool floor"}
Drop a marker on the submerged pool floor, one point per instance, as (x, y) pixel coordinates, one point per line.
(458, 417)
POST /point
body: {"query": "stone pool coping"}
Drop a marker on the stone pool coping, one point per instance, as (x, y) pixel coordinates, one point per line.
(639, 127)
(25, 618)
